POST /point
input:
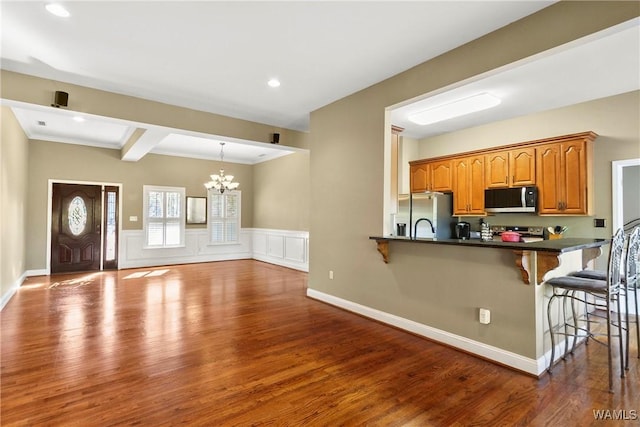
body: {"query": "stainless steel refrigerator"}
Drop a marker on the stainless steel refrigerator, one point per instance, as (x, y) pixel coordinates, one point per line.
(425, 210)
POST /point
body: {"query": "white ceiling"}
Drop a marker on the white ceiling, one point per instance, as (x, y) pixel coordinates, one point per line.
(604, 64)
(217, 57)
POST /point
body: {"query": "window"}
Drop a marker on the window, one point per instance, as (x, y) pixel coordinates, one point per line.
(224, 217)
(164, 216)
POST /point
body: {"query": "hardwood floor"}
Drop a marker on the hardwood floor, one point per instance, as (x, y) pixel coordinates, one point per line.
(239, 343)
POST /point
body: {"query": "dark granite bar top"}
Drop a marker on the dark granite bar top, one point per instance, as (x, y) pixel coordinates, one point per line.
(559, 245)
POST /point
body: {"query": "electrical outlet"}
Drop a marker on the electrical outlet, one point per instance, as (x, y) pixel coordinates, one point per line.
(599, 222)
(485, 316)
(331, 274)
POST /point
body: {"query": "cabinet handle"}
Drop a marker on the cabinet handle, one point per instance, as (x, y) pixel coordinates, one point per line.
(506, 180)
(513, 179)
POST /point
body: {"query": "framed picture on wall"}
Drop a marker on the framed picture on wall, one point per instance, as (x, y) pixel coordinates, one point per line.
(196, 210)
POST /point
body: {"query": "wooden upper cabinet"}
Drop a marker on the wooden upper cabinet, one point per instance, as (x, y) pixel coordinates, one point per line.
(561, 167)
(510, 168)
(564, 175)
(497, 169)
(418, 179)
(522, 167)
(441, 177)
(468, 185)
(431, 176)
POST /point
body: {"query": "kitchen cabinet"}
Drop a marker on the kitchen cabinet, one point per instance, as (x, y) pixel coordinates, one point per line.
(561, 168)
(564, 175)
(431, 176)
(419, 173)
(468, 185)
(510, 168)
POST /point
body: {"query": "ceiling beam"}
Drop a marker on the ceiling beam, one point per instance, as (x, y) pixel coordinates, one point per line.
(140, 143)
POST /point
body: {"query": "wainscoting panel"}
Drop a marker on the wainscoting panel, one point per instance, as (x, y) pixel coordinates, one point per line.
(295, 249)
(196, 249)
(275, 246)
(280, 247)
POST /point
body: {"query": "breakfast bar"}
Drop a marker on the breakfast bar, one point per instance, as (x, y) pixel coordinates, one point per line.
(548, 251)
(448, 282)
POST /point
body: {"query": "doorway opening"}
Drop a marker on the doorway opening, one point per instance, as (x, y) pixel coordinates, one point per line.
(83, 227)
(626, 199)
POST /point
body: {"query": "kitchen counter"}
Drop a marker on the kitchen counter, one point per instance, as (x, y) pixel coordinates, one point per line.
(546, 252)
(558, 245)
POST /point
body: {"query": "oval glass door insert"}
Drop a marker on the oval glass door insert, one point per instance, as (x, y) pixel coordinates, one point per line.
(77, 215)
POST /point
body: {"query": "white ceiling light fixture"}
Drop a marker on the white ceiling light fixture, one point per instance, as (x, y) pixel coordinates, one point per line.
(221, 182)
(274, 83)
(456, 108)
(57, 10)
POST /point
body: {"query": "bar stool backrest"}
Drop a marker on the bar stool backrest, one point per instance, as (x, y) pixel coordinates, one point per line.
(633, 259)
(615, 258)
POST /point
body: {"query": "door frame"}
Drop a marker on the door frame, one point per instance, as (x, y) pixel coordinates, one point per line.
(616, 191)
(49, 215)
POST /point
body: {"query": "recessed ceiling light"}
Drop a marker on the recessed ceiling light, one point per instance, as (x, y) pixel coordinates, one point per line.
(456, 108)
(57, 10)
(78, 119)
(274, 82)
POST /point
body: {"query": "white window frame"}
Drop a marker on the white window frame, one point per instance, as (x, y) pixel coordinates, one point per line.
(180, 220)
(211, 218)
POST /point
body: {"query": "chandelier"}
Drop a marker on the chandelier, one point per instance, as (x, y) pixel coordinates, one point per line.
(221, 182)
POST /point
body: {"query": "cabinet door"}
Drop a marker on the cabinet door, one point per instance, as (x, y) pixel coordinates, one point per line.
(419, 174)
(574, 174)
(522, 167)
(548, 175)
(441, 176)
(476, 185)
(497, 169)
(461, 179)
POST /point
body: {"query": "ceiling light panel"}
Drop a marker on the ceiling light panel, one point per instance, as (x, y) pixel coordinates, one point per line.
(456, 108)
(57, 10)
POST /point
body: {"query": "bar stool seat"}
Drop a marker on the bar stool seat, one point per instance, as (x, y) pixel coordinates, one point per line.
(590, 274)
(629, 277)
(596, 296)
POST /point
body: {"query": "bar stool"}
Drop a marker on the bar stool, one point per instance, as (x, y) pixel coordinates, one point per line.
(630, 282)
(594, 295)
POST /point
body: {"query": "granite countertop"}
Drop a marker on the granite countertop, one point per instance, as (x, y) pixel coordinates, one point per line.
(559, 245)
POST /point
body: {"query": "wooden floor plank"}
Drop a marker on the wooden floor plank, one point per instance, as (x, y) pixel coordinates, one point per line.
(239, 343)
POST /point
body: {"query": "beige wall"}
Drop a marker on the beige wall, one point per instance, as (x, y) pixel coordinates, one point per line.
(13, 202)
(281, 193)
(347, 174)
(50, 160)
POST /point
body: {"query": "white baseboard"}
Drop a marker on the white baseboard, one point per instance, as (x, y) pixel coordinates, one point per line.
(41, 272)
(12, 291)
(504, 357)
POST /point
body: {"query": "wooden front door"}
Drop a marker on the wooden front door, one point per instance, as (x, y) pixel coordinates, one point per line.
(76, 227)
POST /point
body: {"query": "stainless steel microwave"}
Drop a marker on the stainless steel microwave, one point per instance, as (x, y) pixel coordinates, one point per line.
(517, 199)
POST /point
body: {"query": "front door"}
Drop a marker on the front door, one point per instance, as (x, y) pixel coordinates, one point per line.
(76, 227)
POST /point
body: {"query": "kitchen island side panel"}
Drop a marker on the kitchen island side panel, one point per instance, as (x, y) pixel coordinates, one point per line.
(445, 286)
